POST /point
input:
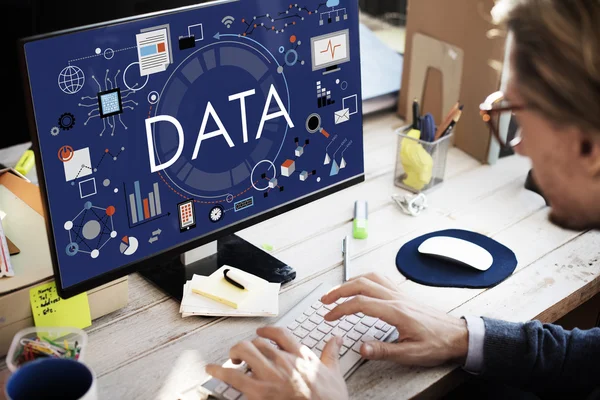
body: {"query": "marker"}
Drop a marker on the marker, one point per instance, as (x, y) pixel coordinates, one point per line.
(236, 278)
(359, 226)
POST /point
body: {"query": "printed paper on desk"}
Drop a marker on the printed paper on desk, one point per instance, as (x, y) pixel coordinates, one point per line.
(263, 301)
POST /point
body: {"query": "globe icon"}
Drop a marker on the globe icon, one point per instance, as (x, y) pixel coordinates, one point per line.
(71, 79)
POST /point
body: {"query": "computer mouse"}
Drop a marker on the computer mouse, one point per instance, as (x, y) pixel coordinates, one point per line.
(457, 250)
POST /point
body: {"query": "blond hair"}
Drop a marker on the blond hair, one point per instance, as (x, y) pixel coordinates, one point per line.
(556, 57)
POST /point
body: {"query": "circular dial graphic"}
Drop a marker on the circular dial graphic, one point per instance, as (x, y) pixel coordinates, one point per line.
(223, 86)
(216, 213)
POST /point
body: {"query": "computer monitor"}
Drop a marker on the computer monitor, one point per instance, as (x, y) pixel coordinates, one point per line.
(330, 50)
(160, 133)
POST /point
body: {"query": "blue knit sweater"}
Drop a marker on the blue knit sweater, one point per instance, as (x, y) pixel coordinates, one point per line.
(542, 358)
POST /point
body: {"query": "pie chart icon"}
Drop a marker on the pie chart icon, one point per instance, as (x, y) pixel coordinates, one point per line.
(129, 245)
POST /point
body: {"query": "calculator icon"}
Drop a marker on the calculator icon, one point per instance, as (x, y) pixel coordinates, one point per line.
(187, 215)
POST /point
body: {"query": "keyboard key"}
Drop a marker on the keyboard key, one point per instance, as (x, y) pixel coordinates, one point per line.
(353, 319)
(379, 324)
(309, 342)
(301, 332)
(322, 311)
(359, 314)
(293, 326)
(320, 345)
(330, 306)
(317, 352)
(343, 350)
(340, 300)
(348, 342)
(379, 335)
(221, 388)
(318, 335)
(354, 335)
(356, 347)
(327, 337)
(368, 321)
(231, 394)
(333, 323)
(324, 328)
(361, 328)
(386, 327)
(316, 319)
(309, 326)
(345, 326)
(317, 305)
(309, 312)
(338, 332)
(367, 338)
(301, 318)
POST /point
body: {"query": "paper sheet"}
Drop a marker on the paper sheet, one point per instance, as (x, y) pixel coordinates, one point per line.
(264, 302)
(381, 66)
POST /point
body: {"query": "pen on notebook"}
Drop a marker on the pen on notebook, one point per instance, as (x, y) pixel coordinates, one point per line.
(235, 282)
(346, 259)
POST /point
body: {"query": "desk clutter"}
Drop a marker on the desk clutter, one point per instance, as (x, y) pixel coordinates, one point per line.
(422, 149)
(230, 292)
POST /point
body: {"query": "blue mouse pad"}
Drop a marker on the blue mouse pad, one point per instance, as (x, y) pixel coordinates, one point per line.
(431, 271)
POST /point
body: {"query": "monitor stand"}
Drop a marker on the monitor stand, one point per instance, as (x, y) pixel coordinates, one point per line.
(229, 250)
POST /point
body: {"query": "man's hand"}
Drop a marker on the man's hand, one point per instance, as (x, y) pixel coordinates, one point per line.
(428, 337)
(291, 371)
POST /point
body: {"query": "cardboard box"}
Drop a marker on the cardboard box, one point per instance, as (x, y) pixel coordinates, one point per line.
(464, 24)
(25, 226)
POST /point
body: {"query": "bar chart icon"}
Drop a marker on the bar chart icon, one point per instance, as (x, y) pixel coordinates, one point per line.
(144, 207)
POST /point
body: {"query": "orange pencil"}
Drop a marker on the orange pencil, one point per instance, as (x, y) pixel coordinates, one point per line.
(447, 120)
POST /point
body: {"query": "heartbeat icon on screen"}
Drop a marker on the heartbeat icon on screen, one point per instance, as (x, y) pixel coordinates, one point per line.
(331, 49)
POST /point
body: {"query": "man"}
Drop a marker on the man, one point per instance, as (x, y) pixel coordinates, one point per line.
(554, 92)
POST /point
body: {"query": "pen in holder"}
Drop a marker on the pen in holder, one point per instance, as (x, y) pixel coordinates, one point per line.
(420, 165)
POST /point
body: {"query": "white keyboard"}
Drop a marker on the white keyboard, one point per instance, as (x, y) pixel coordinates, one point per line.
(306, 322)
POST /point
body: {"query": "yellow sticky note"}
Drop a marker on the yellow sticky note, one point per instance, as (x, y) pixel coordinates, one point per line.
(49, 309)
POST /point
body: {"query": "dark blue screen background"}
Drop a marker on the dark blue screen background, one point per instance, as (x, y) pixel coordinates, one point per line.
(97, 168)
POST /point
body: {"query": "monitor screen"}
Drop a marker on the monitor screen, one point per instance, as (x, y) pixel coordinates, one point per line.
(159, 133)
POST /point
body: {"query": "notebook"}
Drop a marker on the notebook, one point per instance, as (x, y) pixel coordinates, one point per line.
(261, 299)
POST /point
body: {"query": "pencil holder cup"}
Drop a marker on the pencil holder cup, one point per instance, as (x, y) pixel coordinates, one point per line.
(420, 165)
(31, 344)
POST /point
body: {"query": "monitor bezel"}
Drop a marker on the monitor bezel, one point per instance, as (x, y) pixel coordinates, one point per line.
(169, 254)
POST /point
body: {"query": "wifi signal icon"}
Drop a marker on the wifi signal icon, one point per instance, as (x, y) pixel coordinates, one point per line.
(228, 20)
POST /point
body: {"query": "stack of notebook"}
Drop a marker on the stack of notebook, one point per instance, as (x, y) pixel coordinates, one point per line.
(215, 295)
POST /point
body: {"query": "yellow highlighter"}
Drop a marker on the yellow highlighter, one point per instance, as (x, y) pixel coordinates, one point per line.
(26, 162)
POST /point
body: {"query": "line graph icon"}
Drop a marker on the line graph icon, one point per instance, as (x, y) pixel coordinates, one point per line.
(330, 50)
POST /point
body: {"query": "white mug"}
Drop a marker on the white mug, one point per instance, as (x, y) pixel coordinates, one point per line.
(52, 378)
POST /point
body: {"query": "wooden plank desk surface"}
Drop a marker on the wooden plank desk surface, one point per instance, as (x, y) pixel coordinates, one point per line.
(148, 351)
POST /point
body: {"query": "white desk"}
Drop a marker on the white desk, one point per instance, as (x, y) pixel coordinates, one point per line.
(147, 351)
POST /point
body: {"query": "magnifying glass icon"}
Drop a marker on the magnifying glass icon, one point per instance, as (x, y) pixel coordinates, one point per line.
(313, 124)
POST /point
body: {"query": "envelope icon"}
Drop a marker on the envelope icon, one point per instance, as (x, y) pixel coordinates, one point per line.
(342, 116)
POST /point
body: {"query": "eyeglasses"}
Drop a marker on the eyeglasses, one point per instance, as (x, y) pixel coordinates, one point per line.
(492, 110)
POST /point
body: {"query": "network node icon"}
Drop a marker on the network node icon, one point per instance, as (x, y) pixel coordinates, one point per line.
(303, 176)
(299, 151)
(273, 183)
(90, 230)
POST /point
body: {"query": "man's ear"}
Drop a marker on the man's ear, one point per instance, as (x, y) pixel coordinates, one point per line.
(590, 153)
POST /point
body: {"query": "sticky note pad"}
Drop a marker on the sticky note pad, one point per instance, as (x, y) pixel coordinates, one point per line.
(215, 287)
(49, 309)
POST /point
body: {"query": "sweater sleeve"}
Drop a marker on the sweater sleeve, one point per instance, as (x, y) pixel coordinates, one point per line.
(541, 357)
